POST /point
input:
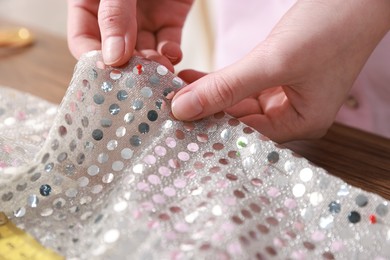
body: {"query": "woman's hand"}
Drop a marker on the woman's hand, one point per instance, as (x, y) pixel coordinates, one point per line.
(118, 27)
(292, 85)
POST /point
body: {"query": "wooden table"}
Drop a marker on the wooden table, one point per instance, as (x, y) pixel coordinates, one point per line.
(359, 158)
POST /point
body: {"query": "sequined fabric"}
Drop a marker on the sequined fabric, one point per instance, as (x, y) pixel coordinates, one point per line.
(24, 125)
(117, 177)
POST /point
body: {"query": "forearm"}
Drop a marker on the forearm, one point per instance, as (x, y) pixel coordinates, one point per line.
(315, 34)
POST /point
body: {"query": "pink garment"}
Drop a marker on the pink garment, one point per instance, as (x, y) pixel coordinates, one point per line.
(241, 25)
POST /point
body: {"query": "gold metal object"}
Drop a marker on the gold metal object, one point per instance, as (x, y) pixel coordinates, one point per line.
(15, 37)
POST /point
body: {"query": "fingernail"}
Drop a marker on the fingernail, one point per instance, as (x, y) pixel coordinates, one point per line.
(186, 106)
(113, 49)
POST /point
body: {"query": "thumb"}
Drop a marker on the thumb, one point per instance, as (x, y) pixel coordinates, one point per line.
(222, 89)
(118, 29)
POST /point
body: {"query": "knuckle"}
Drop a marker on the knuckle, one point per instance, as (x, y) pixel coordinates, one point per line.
(110, 15)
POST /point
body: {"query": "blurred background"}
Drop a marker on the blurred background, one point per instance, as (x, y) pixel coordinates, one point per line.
(50, 16)
(46, 15)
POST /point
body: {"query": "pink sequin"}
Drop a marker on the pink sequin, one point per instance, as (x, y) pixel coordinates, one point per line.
(179, 183)
(154, 179)
(164, 171)
(160, 150)
(273, 192)
(150, 159)
(158, 198)
(171, 143)
(290, 203)
(143, 186)
(169, 191)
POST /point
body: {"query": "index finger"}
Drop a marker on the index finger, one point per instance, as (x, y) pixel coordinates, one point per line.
(83, 28)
